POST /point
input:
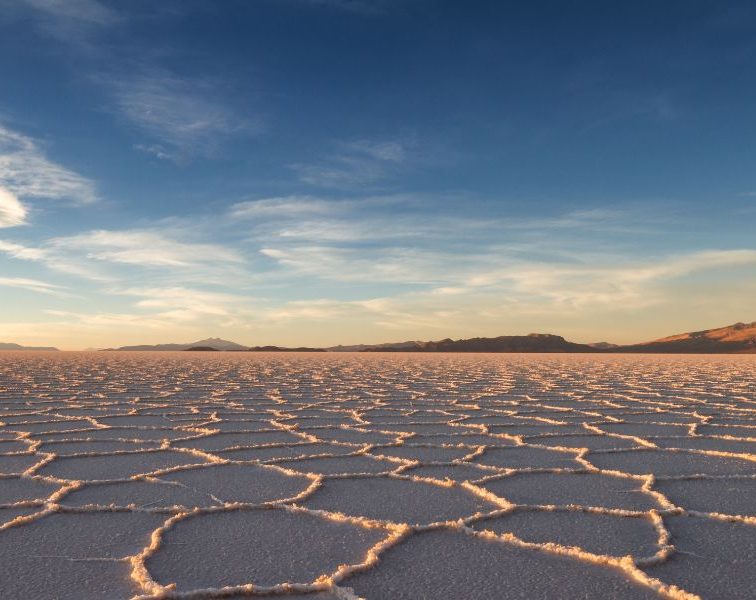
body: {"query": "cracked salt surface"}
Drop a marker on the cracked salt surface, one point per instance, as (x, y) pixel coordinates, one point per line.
(339, 477)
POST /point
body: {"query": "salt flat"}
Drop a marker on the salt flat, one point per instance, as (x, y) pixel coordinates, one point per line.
(346, 476)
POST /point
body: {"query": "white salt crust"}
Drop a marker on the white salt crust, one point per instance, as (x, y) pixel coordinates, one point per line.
(167, 475)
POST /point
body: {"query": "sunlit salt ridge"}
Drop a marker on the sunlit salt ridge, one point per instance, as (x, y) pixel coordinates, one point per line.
(352, 476)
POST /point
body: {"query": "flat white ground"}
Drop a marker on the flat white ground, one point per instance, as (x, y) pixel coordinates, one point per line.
(323, 477)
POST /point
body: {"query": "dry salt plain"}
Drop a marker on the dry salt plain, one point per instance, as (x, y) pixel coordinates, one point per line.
(174, 475)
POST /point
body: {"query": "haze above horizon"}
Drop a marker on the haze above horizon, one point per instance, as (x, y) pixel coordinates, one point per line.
(316, 172)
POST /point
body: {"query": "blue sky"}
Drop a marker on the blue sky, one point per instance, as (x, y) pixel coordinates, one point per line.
(324, 171)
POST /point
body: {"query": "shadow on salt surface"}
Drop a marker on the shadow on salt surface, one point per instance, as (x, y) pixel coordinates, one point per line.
(49, 427)
(73, 556)
(726, 496)
(352, 436)
(643, 429)
(586, 489)
(423, 454)
(320, 421)
(425, 418)
(253, 484)
(136, 421)
(466, 439)
(7, 446)
(117, 466)
(531, 430)
(491, 420)
(340, 465)
(660, 462)
(17, 464)
(655, 417)
(289, 451)
(221, 441)
(237, 426)
(422, 428)
(8, 514)
(264, 547)
(592, 441)
(14, 489)
(704, 443)
(85, 447)
(594, 532)
(458, 472)
(730, 430)
(397, 500)
(116, 433)
(714, 559)
(142, 494)
(526, 457)
(456, 566)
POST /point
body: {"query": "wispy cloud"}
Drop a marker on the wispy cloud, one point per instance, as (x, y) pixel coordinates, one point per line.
(630, 285)
(26, 172)
(33, 285)
(20, 251)
(356, 162)
(140, 255)
(50, 258)
(72, 22)
(361, 7)
(181, 117)
(145, 248)
(84, 11)
(163, 307)
(283, 207)
(184, 304)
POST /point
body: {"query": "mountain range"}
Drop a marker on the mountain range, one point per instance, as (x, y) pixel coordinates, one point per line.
(209, 343)
(535, 342)
(739, 338)
(6, 346)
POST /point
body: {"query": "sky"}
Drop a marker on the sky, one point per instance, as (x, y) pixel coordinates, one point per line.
(314, 172)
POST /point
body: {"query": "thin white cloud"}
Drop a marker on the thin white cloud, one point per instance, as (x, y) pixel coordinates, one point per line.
(164, 307)
(184, 116)
(12, 212)
(78, 11)
(21, 252)
(146, 248)
(582, 286)
(359, 7)
(26, 172)
(185, 304)
(33, 285)
(283, 207)
(357, 162)
(75, 23)
(389, 151)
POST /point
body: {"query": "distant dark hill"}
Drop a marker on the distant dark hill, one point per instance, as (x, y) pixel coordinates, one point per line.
(733, 339)
(281, 349)
(7, 346)
(211, 343)
(535, 342)
(202, 349)
(394, 346)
